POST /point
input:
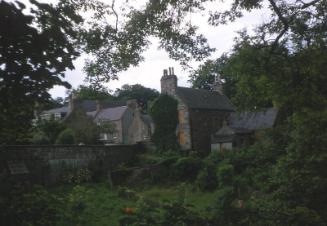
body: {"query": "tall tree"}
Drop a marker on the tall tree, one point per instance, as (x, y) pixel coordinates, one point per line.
(142, 94)
(90, 92)
(37, 48)
(35, 51)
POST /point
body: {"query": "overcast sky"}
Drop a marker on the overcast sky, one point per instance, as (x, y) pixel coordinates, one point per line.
(149, 72)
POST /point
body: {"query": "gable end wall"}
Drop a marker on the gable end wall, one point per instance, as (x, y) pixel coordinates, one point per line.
(203, 124)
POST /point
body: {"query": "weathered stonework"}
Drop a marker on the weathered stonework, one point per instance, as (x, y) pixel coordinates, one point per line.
(195, 124)
(169, 83)
(203, 124)
(169, 86)
(139, 130)
(47, 163)
(184, 129)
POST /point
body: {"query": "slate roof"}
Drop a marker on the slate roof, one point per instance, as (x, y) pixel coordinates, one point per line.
(111, 104)
(204, 99)
(254, 120)
(111, 114)
(86, 105)
(227, 134)
(146, 119)
(64, 109)
(91, 105)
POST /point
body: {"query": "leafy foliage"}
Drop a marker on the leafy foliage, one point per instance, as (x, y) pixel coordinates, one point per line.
(67, 136)
(40, 137)
(32, 207)
(186, 168)
(207, 177)
(34, 56)
(85, 130)
(49, 128)
(142, 94)
(204, 76)
(164, 115)
(92, 93)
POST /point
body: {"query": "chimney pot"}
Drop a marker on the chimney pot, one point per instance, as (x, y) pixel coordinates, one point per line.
(169, 82)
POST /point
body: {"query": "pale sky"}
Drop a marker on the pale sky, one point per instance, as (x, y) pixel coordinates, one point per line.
(149, 72)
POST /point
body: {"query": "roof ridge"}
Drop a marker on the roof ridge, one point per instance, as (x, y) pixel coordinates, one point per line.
(204, 99)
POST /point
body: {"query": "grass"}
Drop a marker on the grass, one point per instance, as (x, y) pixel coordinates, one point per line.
(199, 201)
(103, 206)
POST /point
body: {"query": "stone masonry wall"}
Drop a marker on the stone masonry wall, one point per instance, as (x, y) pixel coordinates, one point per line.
(203, 124)
(46, 163)
(184, 129)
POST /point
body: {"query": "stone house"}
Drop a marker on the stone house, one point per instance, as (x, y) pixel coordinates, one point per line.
(130, 125)
(243, 129)
(200, 112)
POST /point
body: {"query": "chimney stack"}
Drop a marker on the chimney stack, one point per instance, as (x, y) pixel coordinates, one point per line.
(218, 84)
(132, 104)
(169, 82)
(71, 102)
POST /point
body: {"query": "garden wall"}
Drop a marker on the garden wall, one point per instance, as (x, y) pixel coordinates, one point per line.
(46, 164)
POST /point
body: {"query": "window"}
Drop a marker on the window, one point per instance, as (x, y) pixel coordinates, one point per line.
(57, 116)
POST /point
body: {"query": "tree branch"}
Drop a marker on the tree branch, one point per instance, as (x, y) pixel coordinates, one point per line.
(116, 15)
(278, 12)
(306, 5)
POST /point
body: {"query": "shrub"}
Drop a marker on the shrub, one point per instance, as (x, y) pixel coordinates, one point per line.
(145, 214)
(165, 117)
(186, 168)
(124, 192)
(225, 174)
(40, 137)
(50, 128)
(66, 137)
(76, 206)
(77, 176)
(85, 130)
(97, 170)
(207, 178)
(176, 214)
(36, 207)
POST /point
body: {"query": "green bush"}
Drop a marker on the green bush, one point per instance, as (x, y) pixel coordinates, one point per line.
(97, 170)
(36, 207)
(186, 168)
(40, 137)
(77, 176)
(66, 137)
(85, 130)
(124, 192)
(50, 128)
(165, 116)
(207, 177)
(225, 174)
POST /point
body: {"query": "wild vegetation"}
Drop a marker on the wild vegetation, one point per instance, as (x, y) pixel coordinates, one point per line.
(258, 185)
(281, 180)
(166, 119)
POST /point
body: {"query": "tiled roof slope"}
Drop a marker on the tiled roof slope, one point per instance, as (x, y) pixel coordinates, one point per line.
(254, 120)
(91, 105)
(204, 99)
(111, 114)
(64, 109)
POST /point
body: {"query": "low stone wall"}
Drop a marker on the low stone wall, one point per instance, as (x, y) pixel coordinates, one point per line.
(45, 164)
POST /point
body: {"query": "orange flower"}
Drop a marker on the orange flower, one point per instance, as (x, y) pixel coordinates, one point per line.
(128, 210)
